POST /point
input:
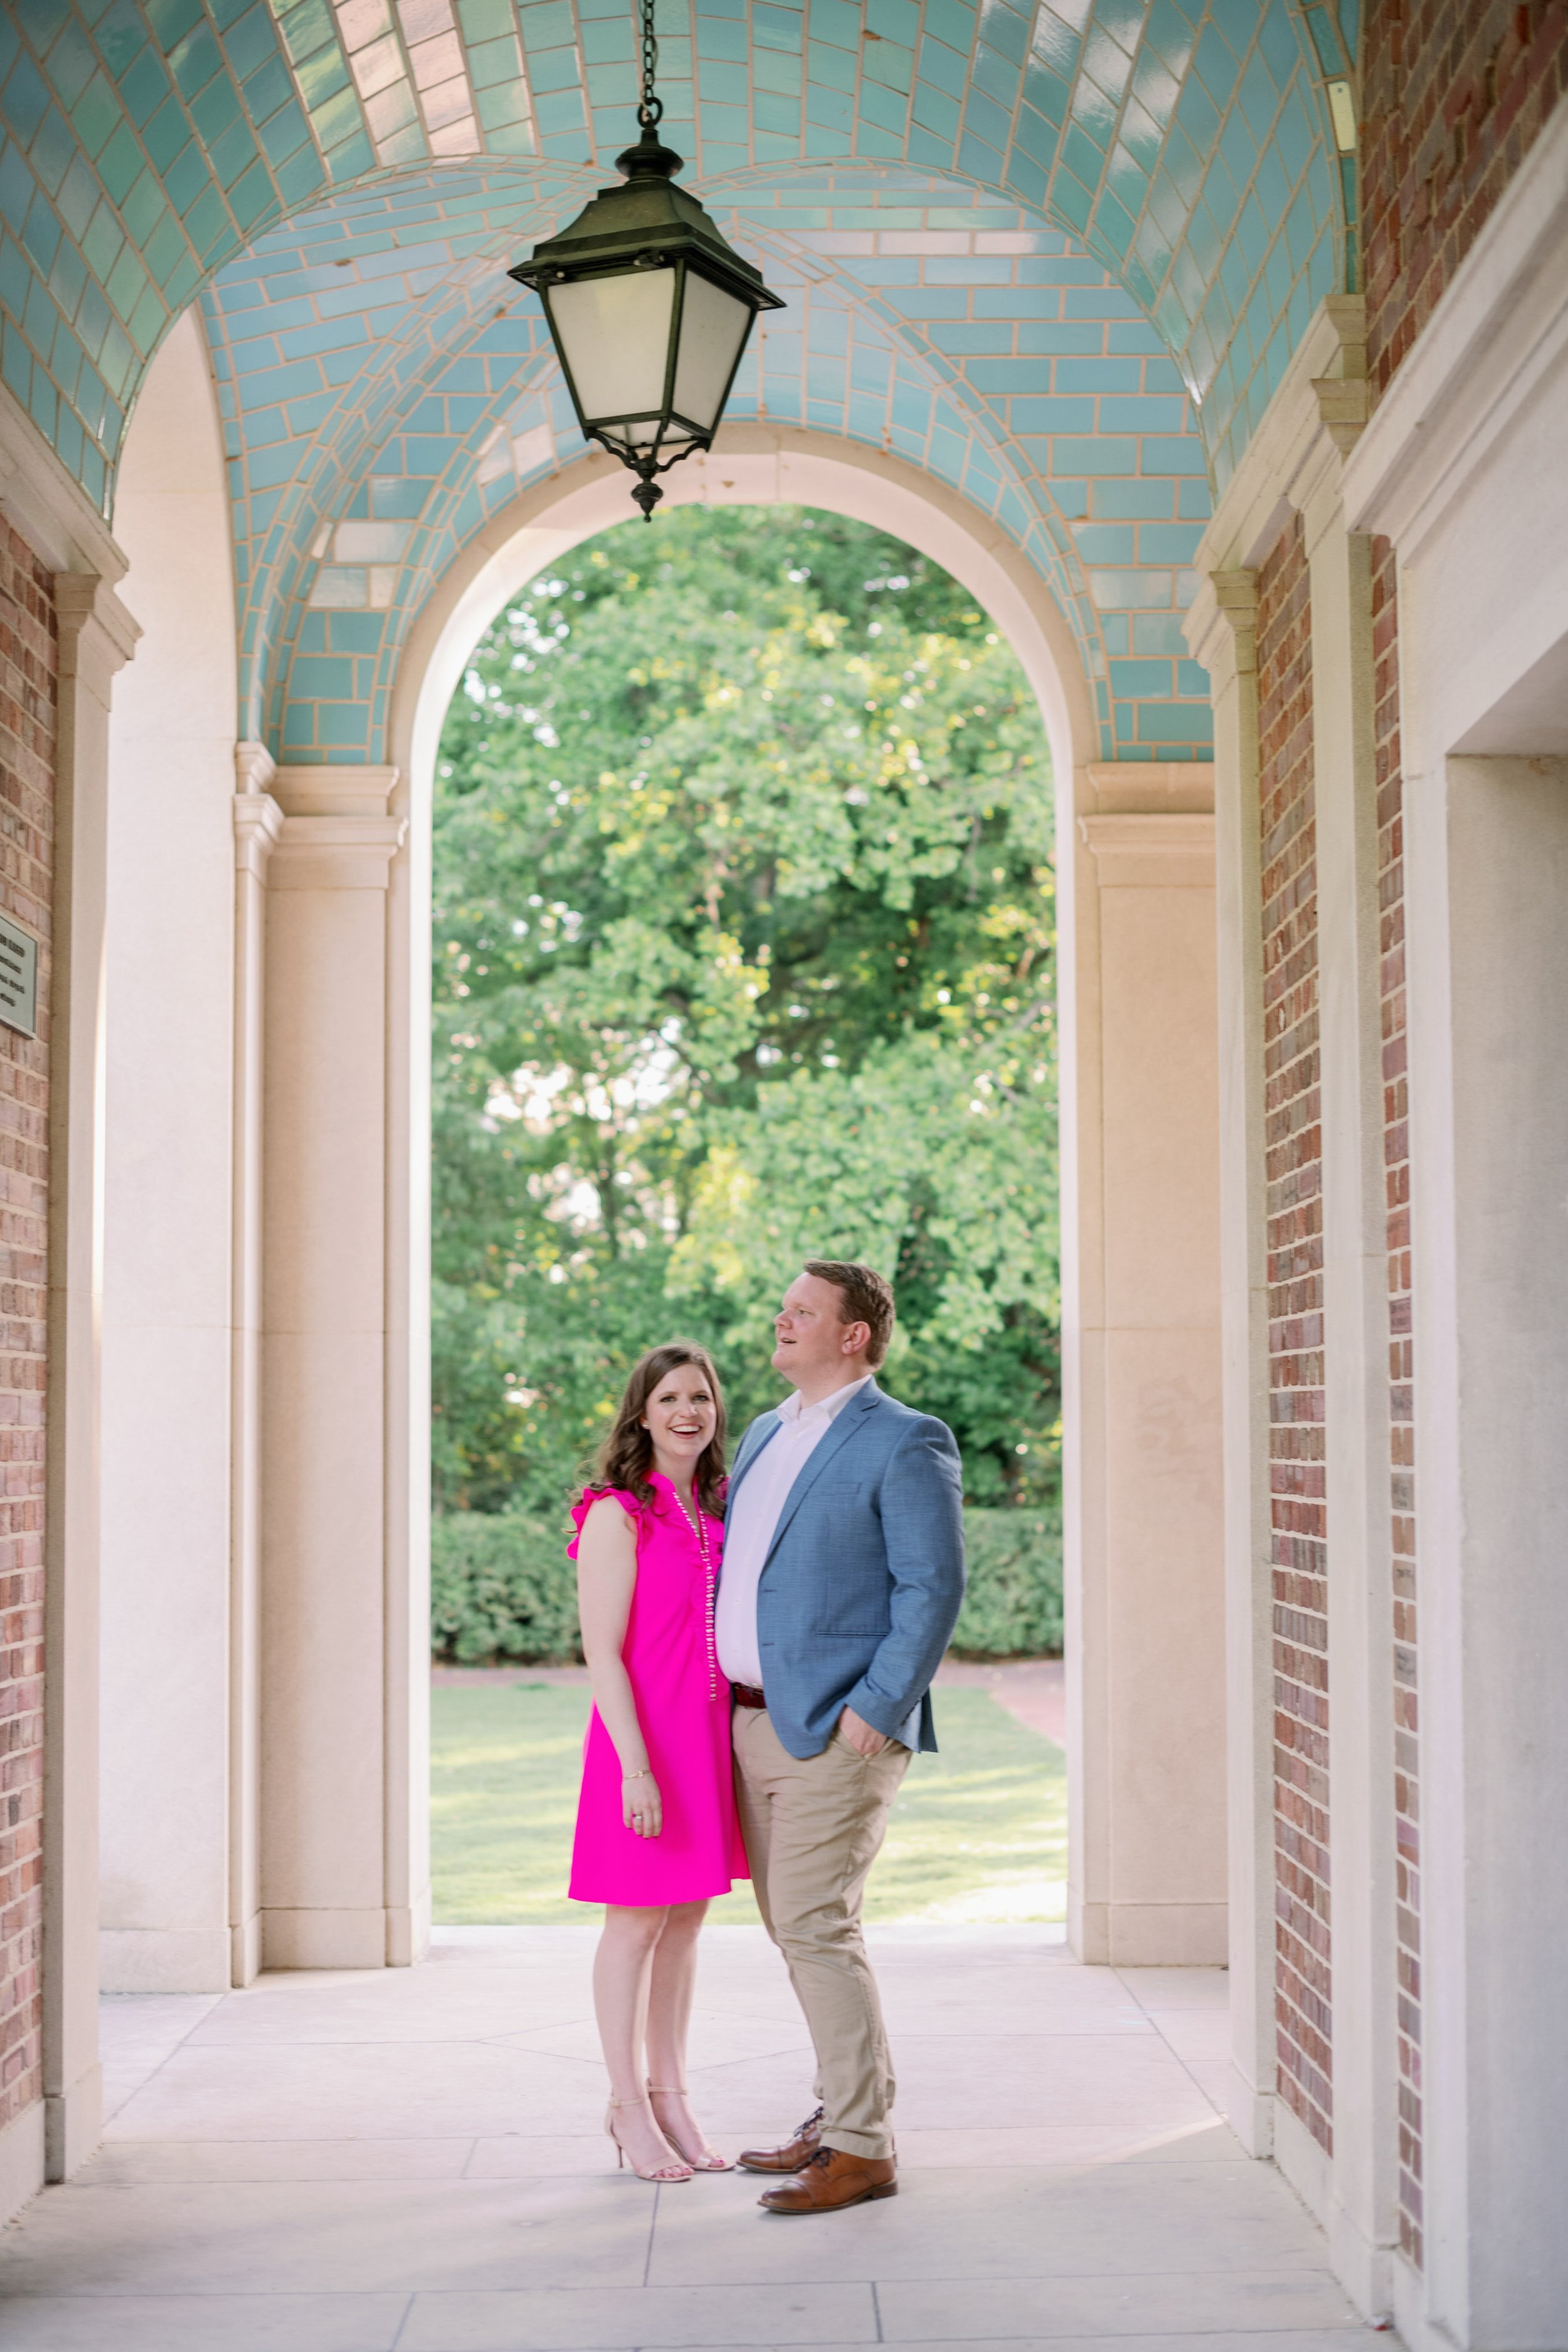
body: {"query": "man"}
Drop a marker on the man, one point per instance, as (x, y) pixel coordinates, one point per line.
(843, 1577)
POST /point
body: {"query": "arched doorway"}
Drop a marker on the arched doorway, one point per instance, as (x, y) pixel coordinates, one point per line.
(316, 1656)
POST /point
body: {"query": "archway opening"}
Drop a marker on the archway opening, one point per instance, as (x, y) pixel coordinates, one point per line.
(744, 952)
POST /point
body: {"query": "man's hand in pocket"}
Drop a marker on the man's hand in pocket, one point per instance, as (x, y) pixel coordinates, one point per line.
(865, 1739)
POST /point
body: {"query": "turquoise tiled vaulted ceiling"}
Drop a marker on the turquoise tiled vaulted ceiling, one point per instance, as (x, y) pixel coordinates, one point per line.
(1060, 257)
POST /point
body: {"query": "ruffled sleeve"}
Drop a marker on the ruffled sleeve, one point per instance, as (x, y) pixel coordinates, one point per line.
(592, 1495)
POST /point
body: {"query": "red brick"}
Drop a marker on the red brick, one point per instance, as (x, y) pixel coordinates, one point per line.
(1454, 94)
(27, 672)
(1293, 1169)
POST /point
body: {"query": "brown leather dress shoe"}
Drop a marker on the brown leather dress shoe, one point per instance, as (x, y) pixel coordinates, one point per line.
(792, 2156)
(832, 2179)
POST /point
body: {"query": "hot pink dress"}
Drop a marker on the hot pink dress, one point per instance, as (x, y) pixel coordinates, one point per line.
(683, 1707)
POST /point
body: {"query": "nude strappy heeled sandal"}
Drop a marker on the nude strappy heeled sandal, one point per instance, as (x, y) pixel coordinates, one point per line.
(707, 2161)
(660, 2173)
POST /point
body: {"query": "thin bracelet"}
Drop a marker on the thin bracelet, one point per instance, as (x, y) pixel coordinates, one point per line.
(646, 1774)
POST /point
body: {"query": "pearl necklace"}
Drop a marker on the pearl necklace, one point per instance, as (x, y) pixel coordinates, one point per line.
(699, 1527)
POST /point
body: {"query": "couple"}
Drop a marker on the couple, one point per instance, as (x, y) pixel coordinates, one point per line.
(777, 1703)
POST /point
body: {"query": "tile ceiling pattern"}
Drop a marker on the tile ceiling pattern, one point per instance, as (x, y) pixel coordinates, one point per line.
(1176, 152)
(956, 332)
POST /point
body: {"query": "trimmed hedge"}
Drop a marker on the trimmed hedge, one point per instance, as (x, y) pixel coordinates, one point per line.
(1013, 1607)
(502, 1588)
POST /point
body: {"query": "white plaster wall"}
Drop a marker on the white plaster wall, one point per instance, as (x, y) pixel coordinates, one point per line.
(167, 1225)
(1508, 825)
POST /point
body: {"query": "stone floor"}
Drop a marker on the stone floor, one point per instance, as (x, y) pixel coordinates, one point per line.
(411, 2162)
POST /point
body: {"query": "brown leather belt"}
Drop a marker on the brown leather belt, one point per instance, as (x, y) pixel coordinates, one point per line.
(746, 1697)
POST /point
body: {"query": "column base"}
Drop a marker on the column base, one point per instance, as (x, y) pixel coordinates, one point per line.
(73, 2124)
(1363, 2269)
(1148, 1935)
(1303, 2163)
(21, 2160)
(1169, 1935)
(1250, 2113)
(163, 1959)
(1417, 2329)
(1088, 1931)
(245, 1951)
(328, 1939)
(408, 1933)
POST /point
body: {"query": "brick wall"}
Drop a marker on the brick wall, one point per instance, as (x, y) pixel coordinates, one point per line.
(27, 671)
(1295, 1241)
(1401, 1376)
(1453, 94)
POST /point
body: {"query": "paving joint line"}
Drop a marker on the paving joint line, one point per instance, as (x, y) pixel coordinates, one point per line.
(1156, 2027)
(652, 2226)
(173, 2052)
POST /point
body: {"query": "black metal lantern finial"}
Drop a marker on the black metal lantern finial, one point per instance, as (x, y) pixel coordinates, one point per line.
(649, 307)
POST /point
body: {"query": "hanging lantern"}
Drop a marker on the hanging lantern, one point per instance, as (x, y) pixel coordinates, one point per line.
(649, 307)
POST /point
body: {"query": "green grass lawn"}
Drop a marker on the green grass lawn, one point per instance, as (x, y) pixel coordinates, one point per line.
(978, 1834)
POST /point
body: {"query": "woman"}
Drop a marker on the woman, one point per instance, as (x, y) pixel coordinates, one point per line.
(657, 1831)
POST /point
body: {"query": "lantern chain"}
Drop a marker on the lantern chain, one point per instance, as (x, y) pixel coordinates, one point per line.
(650, 109)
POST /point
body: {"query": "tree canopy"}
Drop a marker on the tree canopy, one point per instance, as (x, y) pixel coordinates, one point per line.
(744, 952)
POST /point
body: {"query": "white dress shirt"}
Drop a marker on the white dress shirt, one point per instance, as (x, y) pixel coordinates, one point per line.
(752, 1517)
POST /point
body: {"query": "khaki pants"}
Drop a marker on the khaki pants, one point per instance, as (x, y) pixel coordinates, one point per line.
(813, 1829)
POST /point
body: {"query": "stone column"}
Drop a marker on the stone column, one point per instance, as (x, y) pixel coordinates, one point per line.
(1222, 631)
(257, 823)
(327, 1716)
(1361, 2212)
(96, 637)
(165, 1915)
(1146, 1695)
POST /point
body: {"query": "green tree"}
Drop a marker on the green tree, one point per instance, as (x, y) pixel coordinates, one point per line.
(744, 952)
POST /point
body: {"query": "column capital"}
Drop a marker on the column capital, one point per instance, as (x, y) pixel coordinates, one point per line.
(258, 818)
(336, 834)
(97, 634)
(257, 828)
(254, 768)
(1151, 849)
(1146, 787)
(361, 789)
(1221, 626)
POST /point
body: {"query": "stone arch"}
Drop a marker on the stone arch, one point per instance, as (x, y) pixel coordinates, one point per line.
(319, 945)
(1138, 1223)
(752, 464)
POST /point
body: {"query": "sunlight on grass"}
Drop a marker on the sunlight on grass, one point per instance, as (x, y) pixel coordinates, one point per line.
(978, 1835)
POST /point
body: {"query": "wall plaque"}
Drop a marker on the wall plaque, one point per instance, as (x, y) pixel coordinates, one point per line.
(18, 978)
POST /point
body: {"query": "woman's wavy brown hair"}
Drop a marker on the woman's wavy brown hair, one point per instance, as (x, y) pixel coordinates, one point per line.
(626, 1457)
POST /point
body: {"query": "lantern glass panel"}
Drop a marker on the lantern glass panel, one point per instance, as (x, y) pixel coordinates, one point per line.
(713, 329)
(614, 332)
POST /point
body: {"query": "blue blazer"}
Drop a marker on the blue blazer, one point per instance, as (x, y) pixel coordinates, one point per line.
(863, 1578)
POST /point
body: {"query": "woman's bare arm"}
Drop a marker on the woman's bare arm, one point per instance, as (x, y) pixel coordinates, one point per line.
(606, 1578)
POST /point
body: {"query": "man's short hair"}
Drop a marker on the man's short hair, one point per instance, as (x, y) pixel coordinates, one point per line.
(865, 1297)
